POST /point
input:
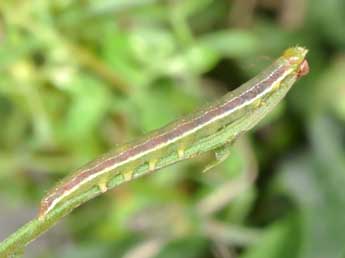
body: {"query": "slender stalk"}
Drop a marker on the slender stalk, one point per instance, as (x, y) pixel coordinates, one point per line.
(16, 243)
(99, 68)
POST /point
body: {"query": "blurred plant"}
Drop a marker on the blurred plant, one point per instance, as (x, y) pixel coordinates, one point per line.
(79, 77)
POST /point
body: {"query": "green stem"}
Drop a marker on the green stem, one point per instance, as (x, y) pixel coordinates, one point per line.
(15, 244)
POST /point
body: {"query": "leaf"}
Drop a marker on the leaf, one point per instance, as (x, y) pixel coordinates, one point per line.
(90, 101)
(231, 43)
(278, 241)
(316, 184)
(184, 248)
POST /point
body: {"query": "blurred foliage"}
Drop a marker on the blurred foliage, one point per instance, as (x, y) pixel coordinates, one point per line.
(79, 77)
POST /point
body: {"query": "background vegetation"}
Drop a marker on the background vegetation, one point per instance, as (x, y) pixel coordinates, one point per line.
(79, 77)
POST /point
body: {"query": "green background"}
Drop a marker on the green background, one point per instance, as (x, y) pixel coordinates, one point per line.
(78, 78)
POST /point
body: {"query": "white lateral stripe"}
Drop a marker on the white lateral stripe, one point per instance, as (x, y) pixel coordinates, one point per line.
(163, 144)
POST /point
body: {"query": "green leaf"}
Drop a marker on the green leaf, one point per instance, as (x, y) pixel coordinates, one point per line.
(316, 184)
(192, 247)
(231, 43)
(280, 240)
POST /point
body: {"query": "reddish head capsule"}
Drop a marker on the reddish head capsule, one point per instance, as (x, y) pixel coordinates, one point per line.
(303, 69)
(295, 56)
